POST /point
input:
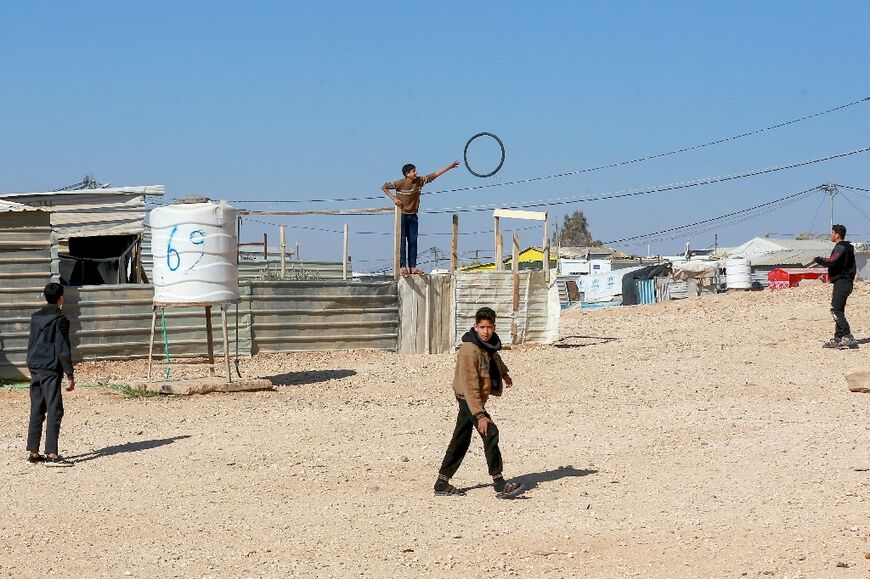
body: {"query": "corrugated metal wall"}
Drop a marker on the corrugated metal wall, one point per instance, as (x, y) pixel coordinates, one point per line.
(114, 322)
(25, 268)
(296, 316)
(494, 289)
(253, 269)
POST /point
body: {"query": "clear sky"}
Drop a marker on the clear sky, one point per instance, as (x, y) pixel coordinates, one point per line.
(296, 100)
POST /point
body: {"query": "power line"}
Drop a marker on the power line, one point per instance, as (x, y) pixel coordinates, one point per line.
(637, 192)
(730, 217)
(580, 171)
(858, 209)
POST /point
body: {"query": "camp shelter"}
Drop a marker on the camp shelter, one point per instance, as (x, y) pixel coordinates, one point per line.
(95, 233)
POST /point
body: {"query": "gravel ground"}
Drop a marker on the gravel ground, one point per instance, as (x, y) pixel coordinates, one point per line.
(708, 437)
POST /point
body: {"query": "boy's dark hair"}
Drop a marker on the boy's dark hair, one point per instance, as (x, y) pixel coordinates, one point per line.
(484, 313)
(407, 169)
(839, 230)
(53, 292)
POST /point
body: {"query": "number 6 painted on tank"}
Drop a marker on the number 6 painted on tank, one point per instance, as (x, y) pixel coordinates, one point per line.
(170, 251)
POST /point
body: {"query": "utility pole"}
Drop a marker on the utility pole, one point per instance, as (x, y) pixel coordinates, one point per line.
(831, 190)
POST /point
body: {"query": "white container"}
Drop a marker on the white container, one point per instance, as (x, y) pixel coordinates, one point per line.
(738, 273)
(195, 249)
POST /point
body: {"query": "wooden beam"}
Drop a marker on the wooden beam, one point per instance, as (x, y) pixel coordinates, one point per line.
(517, 214)
(546, 248)
(499, 250)
(282, 234)
(344, 256)
(515, 270)
(454, 245)
(360, 211)
(397, 241)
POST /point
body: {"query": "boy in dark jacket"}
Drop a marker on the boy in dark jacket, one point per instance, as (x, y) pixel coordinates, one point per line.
(841, 274)
(479, 373)
(48, 358)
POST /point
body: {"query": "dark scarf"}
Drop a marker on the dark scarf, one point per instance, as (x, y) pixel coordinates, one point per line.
(490, 347)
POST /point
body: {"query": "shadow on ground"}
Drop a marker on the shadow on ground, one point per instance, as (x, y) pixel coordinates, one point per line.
(532, 480)
(310, 377)
(126, 447)
(575, 341)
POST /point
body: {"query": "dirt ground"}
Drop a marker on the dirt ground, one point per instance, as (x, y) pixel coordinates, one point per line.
(711, 437)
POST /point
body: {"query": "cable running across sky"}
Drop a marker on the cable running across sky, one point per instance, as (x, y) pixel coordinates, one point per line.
(580, 171)
(727, 218)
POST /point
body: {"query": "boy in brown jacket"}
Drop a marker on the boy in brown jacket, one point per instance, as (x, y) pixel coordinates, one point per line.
(479, 373)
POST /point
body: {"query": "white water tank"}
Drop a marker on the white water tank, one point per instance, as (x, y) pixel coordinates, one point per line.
(195, 249)
(738, 273)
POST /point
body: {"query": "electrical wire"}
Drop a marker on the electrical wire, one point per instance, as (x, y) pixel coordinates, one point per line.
(858, 209)
(580, 171)
(727, 218)
(637, 192)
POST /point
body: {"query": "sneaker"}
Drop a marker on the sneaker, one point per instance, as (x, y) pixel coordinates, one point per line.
(57, 461)
(832, 343)
(35, 458)
(848, 343)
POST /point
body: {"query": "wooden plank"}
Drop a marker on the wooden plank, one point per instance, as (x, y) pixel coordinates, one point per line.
(359, 211)
(518, 214)
(397, 240)
(344, 255)
(515, 270)
(454, 245)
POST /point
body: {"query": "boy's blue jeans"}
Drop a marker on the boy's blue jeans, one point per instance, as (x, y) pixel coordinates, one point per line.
(408, 236)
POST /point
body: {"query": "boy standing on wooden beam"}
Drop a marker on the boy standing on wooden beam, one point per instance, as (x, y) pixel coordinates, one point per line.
(479, 373)
(407, 199)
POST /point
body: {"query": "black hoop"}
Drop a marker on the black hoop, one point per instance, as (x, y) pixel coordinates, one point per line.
(465, 155)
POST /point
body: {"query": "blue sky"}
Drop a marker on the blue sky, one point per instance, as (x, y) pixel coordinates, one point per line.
(289, 100)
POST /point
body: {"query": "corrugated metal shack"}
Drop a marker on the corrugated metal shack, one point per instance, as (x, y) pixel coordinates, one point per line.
(95, 233)
(25, 268)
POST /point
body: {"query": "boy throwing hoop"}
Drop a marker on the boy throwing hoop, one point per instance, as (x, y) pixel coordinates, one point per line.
(407, 199)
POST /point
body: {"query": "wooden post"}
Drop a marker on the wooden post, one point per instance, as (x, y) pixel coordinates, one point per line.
(454, 245)
(397, 233)
(226, 343)
(558, 245)
(298, 251)
(546, 248)
(151, 343)
(209, 342)
(265, 247)
(499, 252)
(344, 256)
(282, 231)
(515, 270)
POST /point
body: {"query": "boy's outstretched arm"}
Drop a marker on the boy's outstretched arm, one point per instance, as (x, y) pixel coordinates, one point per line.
(443, 170)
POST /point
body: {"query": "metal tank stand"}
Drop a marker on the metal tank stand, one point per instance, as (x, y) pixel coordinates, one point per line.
(208, 327)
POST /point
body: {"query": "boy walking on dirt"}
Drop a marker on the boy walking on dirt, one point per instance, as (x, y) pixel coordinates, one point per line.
(49, 357)
(841, 275)
(479, 373)
(407, 199)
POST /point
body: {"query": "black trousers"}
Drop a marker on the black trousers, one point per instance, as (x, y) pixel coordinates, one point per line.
(842, 289)
(465, 424)
(46, 405)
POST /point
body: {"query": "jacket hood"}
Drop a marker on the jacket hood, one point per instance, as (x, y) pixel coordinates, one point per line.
(46, 316)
